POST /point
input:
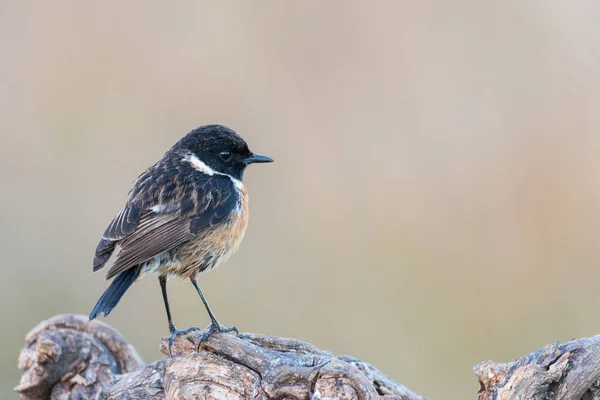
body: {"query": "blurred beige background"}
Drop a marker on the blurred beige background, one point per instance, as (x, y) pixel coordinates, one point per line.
(435, 200)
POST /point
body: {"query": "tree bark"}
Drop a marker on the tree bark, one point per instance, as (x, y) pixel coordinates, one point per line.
(67, 357)
(568, 371)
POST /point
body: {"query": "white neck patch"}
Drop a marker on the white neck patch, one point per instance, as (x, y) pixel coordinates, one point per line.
(199, 165)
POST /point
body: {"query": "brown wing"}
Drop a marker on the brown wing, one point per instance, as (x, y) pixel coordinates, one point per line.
(155, 234)
(128, 218)
(122, 225)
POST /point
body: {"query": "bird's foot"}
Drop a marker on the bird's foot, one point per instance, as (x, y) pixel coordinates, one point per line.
(214, 328)
(176, 332)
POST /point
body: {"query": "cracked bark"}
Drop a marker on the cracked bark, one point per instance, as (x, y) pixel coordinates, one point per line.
(568, 371)
(67, 357)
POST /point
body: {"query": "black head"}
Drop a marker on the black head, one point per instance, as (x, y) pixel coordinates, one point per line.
(220, 148)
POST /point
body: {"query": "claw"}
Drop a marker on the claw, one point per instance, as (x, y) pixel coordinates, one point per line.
(176, 332)
(214, 328)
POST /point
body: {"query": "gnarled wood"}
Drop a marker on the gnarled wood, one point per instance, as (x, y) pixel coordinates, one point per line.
(67, 357)
(568, 371)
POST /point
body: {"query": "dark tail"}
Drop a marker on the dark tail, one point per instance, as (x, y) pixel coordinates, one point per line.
(115, 291)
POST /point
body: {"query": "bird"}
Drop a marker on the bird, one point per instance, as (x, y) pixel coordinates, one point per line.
(185, 215)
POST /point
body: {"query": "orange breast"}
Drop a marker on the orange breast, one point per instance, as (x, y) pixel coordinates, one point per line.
(213, 247)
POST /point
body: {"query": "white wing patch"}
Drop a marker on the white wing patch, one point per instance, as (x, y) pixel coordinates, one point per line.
(158, 208)
(164, 208)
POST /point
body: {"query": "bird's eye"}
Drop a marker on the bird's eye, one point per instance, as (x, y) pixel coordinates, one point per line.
(225, 156)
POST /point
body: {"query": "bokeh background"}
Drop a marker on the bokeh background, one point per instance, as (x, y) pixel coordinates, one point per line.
(435, 200)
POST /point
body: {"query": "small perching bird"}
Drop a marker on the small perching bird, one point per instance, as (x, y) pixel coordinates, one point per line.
(185, 215)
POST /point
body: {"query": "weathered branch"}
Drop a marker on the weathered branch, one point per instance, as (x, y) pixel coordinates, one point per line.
(67, 357)
(568, 371)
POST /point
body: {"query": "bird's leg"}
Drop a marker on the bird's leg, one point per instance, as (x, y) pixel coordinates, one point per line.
(172, 329)
(163, 287)
(215, 326)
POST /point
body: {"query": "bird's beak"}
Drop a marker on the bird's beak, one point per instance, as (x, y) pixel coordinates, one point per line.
(257, 158)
